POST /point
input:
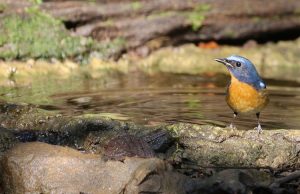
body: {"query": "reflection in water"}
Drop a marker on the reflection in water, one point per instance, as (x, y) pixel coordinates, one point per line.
(165, 105)
(179, 98)
(161, 98)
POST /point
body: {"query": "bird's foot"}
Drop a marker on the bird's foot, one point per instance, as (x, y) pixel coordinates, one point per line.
(258, 128)
(232, 126)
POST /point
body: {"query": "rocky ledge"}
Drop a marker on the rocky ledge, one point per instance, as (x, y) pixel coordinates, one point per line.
(92, 154)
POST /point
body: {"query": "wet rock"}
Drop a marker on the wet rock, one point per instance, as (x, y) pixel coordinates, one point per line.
(204, 144)
(159, 140)
(214, 146)
(83, 102)
(287, 182)
(128, 146)
(237, 181)
(29, 123)
(7, 140)
(44, 168)
(41, 167)
(102, 132)
(128, 140)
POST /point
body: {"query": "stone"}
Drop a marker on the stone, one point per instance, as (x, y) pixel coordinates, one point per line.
(215, 146)
(159, 140)
(42, 168)
(128, 145)
(7, 140)
(237, 181)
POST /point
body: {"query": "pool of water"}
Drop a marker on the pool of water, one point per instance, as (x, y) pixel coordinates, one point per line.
(166, 98)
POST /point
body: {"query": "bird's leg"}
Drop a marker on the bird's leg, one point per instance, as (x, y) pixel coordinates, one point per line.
(258, 128)
(232, 126)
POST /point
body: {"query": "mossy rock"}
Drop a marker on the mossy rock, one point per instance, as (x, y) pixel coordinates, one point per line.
(36, 34)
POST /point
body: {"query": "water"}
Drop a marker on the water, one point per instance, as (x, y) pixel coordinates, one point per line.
(168, 98)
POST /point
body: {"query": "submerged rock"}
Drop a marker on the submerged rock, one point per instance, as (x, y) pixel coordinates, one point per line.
(44, 168)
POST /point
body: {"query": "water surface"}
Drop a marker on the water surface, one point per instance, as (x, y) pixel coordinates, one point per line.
(160, 99)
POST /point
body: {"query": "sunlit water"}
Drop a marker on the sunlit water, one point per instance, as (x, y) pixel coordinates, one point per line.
(160, 99)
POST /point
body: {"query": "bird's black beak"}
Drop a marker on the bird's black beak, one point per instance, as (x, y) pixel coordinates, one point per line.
(224, 61)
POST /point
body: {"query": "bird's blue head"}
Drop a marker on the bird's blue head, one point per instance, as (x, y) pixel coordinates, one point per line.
(243, 70)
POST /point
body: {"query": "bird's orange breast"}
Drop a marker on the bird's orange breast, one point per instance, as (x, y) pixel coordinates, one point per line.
(244, 98)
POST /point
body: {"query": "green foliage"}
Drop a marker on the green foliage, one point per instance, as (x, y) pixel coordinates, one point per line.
(197, 16)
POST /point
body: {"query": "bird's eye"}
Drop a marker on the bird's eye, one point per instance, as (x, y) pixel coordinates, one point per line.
(238, 64)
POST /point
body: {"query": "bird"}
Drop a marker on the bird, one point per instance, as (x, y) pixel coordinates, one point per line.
(246, 92)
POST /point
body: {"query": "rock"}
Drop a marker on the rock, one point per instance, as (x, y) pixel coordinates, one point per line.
(206, 145)
(215, 146)
(269, 60)
(43, 168)
(159, 140)
(179, 21)
(29, 123)
(139, 23)
(237, 181)
(287, 182)
(7, 140)
(128, 146)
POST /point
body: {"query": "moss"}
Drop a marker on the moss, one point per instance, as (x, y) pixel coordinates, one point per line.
(297, 11)
(108, 23)
(136, 5)
(25, 37)
(197, 16)
(28, 36)
(105, 49)
(2, 7)
(37, 2)
(256, 19)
